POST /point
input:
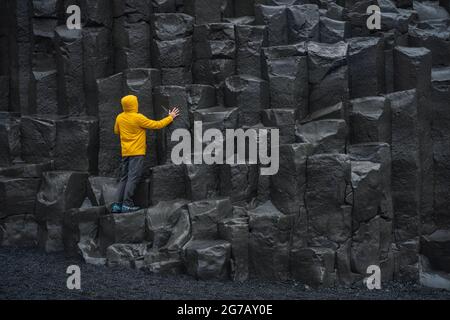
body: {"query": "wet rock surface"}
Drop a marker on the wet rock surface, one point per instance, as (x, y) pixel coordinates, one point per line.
(363, 126)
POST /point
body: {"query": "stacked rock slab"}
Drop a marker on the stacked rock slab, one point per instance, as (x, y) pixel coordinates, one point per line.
(172, 51)
(131, 34)
(363, 129)
(214, 53)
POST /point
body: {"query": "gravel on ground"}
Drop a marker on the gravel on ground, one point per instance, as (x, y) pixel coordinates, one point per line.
(32, 274)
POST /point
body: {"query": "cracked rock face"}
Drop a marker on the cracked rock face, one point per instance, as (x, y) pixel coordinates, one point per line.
(362, 115)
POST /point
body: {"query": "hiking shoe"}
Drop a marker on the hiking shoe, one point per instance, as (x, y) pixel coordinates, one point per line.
(116, 208)
(126, 209)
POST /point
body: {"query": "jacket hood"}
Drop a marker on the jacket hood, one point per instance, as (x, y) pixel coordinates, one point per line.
(130, 104)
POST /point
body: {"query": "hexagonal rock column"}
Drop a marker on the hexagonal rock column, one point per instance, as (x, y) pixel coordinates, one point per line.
(167, 225)
(38, 136)
(269, 239)
(412, 68)
(205, 11)
(18, 196)
(208, 259)
(328, 74)
(201, 181)
(101, 190)
(125, 255)
(434, 38)
(326, 136)
(20, 52)
(338, 111)
(77, 144)
(436, 247)
(10, 144)
(286, 70)
(172, 52)
(167, 182)
(217, 117)
(284, 120)
(314, 266)
(238, 181)
(200, 96)
(19, 231)
(288, 185)
(407, 175)
(332, 31)
(249, 41)
(122, 228)
(275, 18)
(141, 82)
(69, 58)
(372, 235)
(59, 191)
(328, 215)
(440, 100)
(366, 66)
(131, 32)
(80, 226)
(379, 153)
(206, 215)
(214, 53)
(370, 120)
(250, 95)
(110, 92)
(236, 232)
(166, 97)
(303, 23)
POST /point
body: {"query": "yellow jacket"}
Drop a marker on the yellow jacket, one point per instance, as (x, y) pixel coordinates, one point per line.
(131, 126)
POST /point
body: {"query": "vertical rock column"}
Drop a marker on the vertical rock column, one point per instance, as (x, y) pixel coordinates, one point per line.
(328, 74)
(441, 146)
(131, 34)
(214, 53)
(205, 11)
(141, 83)
(110, 92)
(250, 95)
(44, 82)
(275, 18)
(98, 52)
(366, 67)
(413, 71)
(172, 51)
(69, 58)
(249, 41)
(407, 177)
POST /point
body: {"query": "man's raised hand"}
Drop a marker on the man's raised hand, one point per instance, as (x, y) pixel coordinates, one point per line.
(175, 112)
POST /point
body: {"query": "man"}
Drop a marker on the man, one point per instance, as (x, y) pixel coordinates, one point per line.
(131, 126)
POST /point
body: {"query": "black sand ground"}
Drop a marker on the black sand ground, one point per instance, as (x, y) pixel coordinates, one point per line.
(30, 274)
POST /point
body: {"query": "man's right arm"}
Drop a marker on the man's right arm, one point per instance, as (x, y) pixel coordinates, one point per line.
(147, 123)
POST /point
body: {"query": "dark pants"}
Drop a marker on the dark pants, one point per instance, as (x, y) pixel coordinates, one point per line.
(130, 175)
